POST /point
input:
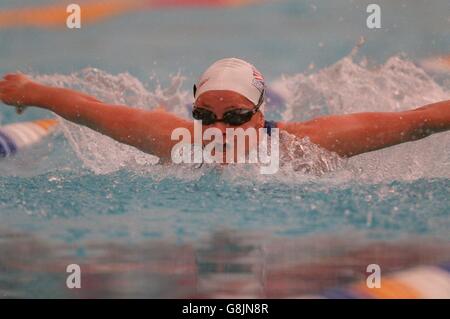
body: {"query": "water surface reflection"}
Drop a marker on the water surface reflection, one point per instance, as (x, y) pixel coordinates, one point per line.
(229, 264)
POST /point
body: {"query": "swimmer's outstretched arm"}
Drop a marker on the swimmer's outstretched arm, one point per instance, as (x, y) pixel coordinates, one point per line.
(149, 131)
(353, 134)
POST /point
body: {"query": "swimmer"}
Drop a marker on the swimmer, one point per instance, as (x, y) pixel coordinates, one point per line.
(229, 94)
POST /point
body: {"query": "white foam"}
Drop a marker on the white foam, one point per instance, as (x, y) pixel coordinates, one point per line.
(345, 87)
(349, 87)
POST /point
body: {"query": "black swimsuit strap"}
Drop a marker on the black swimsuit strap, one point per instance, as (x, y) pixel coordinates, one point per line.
(269, 125)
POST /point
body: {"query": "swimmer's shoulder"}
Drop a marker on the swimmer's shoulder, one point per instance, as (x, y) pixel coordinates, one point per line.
(299, 129)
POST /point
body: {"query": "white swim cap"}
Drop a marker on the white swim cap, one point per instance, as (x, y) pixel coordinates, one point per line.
(233, 75)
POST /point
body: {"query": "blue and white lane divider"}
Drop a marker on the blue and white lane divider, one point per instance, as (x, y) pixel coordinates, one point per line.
(17, 136)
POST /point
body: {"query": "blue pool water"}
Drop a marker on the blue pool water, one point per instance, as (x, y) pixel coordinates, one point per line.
(144, 230)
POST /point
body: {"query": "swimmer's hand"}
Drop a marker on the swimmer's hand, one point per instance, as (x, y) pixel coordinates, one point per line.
(17, 90)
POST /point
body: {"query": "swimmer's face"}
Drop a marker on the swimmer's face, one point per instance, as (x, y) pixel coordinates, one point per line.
(219, 102)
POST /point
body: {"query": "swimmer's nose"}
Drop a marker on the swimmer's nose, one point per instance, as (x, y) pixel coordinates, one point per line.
(222, 127)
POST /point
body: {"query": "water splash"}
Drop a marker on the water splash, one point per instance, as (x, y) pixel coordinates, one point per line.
(349, 87)
(98, 152)
(344, 87)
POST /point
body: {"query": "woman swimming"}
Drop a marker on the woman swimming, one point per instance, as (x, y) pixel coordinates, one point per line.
(229, 94)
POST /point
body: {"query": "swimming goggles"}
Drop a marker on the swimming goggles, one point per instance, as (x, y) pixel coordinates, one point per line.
(233, 117)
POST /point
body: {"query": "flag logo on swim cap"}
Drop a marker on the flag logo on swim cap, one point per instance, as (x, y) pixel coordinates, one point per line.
(258, 79)
(232, 74)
